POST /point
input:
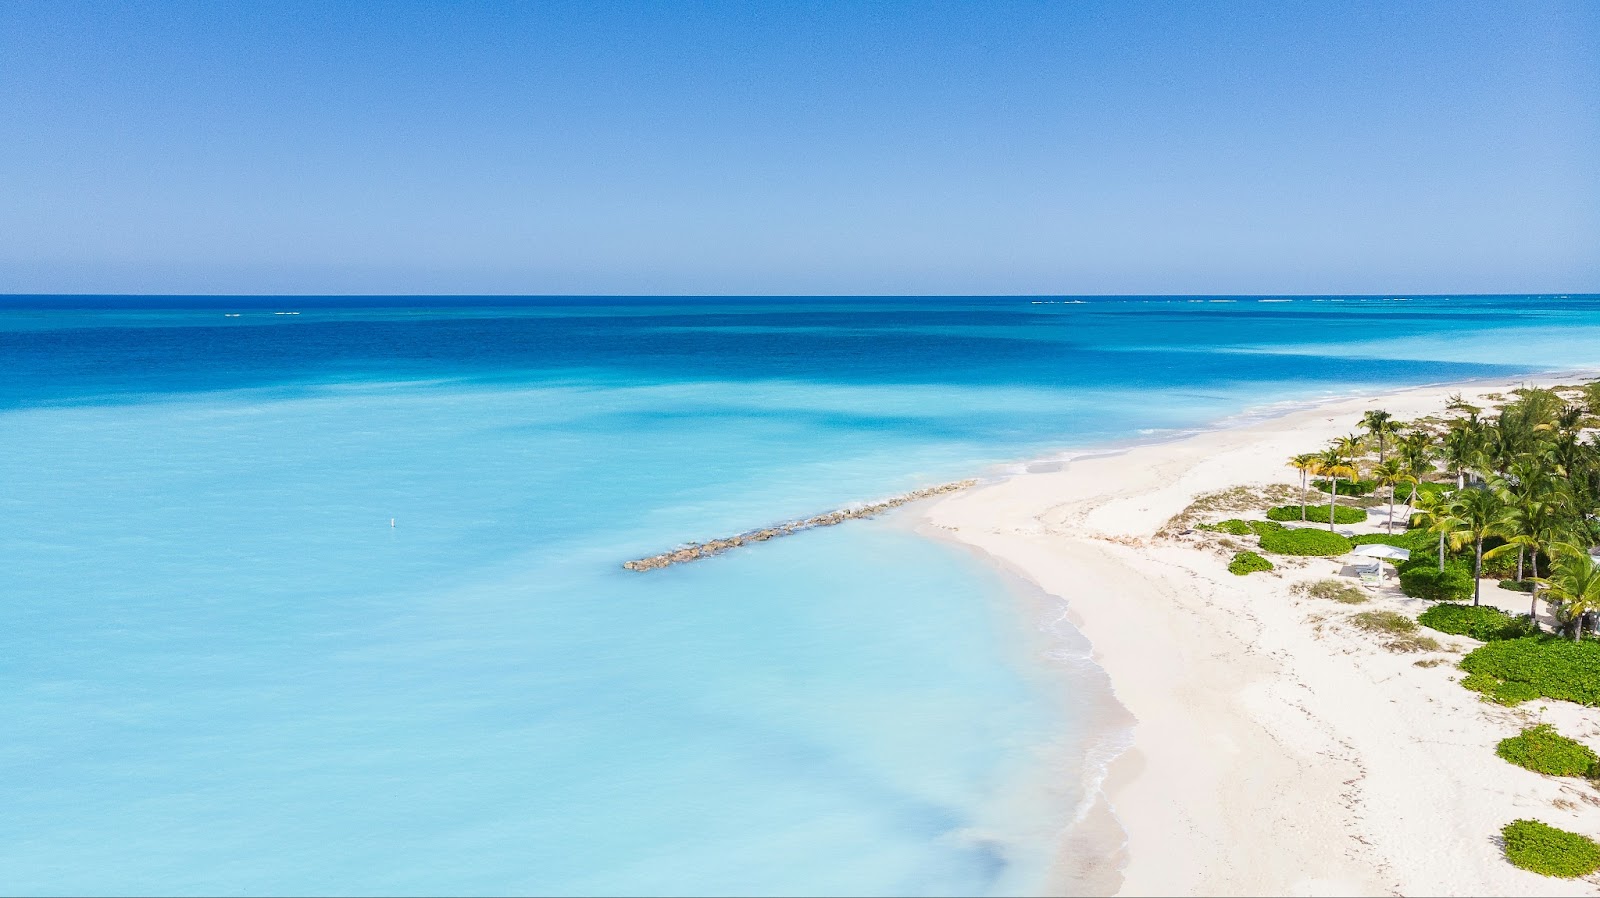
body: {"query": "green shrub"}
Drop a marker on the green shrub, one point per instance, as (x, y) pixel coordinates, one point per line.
(1543, 750)
(1548, 851)
(1333, 590)
(1415, 562)
(1499, 568)
(1517, 585)
(1237, 527)
(1318, 514)
(1248, 562)
(1536, 666)
(1422, 582)
(1403, 491)
(1429, 558)
(1479, 622)
(1305, 541)
(1418, 540)
(1347, 488)
(1503, 692)
(1512, 693)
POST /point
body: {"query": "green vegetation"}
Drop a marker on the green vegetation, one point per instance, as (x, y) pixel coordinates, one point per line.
(1338, 460)
(1248, 562)
(1346, 488)
(1422, 582)
(1381, 426)
(1523, 506)
(1505, 692)
(1238, 527)
(1342, 514)
(1418, 540)
(1332, 590)
(1516, 670)
(1518, 585)
(1410, 492)
(1473, 516)
(1430, 561)
(1223, 502)
(1574, 585)
(1304, 463)
(1479, 622)
(1305, 541)
(1548, 851)
(1543, 750)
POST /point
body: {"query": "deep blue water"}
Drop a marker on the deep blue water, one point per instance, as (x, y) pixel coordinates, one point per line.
(226, 672)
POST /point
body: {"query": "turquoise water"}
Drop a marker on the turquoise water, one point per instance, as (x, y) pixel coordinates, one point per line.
(227, 673)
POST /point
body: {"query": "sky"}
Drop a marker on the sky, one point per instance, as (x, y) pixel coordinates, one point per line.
(682, 147)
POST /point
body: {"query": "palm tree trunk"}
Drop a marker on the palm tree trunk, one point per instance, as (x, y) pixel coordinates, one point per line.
(1477, 574)
(1520, 551)
(1332, 496)
(1390, 526)
(1302, 495)
(1441, 551)
(1533, 608)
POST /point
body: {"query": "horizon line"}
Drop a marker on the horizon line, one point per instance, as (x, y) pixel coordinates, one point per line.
(1391, 294)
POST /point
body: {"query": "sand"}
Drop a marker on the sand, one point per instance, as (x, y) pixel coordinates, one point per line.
(1277, 750)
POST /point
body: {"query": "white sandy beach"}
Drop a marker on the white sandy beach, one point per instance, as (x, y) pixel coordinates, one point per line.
(1277, 750)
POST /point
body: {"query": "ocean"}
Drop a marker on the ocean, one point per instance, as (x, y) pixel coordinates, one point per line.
(324, 594)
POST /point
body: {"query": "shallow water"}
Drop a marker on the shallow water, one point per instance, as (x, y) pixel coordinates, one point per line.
(228, 673)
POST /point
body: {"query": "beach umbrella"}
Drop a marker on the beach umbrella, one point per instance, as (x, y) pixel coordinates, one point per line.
(1379, 550)
(1382, 553)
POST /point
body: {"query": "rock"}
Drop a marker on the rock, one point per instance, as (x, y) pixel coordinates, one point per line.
(716, 546)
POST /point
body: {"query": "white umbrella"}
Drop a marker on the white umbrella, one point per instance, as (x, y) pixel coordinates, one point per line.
(1379, 550)
(1382, 553)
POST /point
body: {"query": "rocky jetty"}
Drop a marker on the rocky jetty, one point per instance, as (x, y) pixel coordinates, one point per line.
(695, 551)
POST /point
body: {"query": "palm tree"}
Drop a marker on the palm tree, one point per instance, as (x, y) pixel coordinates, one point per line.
(1416, 450)
(1474, 515)
(1532, 526)
(1531, 517)
(1303, 463)
(1349, 445)
(1460, 445)
(1434, 509)
(1391, 474)
(1575, 583)
(1331, 463)
(1570, 419)
(1380, 425)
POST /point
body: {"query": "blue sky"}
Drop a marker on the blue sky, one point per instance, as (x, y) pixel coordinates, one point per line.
(680, 147)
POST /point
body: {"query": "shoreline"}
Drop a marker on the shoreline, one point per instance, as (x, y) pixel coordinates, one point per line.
(1087, 854)
(1252, 768)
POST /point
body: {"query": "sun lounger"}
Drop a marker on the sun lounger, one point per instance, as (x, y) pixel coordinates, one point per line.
(1370, 574)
